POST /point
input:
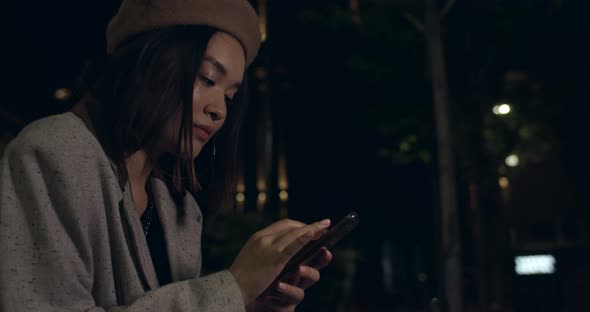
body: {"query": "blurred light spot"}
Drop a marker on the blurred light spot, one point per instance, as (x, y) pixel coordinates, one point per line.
(241, 188)
(240, 197)
(424, 156)
(530, 265)
(504, 182)
(512, 161)
(262, 22)
(422, 277)
(262, 197)
(502, 109)
(434, 300)
(261, 185)
(283, 184)
(63, 94)
(404, 146)
(261, 73)
(284, 196)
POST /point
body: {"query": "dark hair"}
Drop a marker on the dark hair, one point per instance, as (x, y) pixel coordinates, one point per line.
(139, 88)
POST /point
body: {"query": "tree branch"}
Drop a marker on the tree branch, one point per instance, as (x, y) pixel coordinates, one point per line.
(417, 23)
(447, 8)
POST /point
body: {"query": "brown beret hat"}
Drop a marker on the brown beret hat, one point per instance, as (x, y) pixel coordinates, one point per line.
(235, 17)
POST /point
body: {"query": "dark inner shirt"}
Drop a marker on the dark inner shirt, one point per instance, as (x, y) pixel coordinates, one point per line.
(157, 246)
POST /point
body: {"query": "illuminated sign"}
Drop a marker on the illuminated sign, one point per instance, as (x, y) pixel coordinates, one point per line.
(531, 265)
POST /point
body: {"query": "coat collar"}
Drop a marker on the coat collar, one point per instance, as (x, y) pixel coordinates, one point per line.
(181, 232)
(136, 241)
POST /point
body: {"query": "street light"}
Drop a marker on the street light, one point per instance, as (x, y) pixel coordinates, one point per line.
(504, 182)
(284, 196)
(502, 109)
(261, 197)
(512, 161)
(62, 94)
(240, 197)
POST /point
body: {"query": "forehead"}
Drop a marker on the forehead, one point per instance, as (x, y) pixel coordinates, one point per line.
(228, 51)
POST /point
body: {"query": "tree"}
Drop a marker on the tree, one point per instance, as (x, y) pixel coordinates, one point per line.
(490, 47)
(451, 242)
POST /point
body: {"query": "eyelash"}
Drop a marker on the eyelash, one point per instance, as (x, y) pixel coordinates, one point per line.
(210, 83)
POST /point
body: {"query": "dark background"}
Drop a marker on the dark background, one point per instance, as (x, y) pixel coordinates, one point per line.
(344, 91)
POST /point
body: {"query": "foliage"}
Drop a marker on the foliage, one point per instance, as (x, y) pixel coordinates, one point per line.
(387, 59)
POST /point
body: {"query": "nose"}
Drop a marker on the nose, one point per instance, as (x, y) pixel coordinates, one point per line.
(216, 109)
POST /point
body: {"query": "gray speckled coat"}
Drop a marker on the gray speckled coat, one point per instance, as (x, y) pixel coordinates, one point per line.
(71, 240)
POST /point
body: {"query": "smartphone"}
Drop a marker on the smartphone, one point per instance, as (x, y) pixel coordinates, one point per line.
(313, 248)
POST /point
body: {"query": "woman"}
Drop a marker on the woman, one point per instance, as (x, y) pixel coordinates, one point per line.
(97, 205)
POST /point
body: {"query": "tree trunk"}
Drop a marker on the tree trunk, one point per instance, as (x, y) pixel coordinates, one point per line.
(451, 246)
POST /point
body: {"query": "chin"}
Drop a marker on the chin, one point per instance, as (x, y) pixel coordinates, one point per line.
(197, 148)
(196, 152)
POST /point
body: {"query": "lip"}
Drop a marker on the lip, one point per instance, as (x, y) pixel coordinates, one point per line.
(202, 131)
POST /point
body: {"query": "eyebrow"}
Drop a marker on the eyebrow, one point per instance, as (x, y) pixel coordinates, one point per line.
(220, 68)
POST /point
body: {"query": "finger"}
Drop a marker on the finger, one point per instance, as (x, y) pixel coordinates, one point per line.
(285, 230)
(291, 278)
(316, 236)
(279, 226)
(291, 242)
(321, 260)
(290, 294)
(308, 277)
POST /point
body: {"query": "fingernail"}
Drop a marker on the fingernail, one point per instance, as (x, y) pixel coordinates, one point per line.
(325, 222)
(301, 269)
(282, 286)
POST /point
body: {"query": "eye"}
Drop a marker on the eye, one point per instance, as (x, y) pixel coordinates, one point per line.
(208, 82)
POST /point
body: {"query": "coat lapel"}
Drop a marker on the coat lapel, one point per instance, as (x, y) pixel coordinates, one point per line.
(137, 242)
(132, 229)
(181, 233)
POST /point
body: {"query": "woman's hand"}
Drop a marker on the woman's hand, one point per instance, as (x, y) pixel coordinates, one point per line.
(286, 299)
(265, 254)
